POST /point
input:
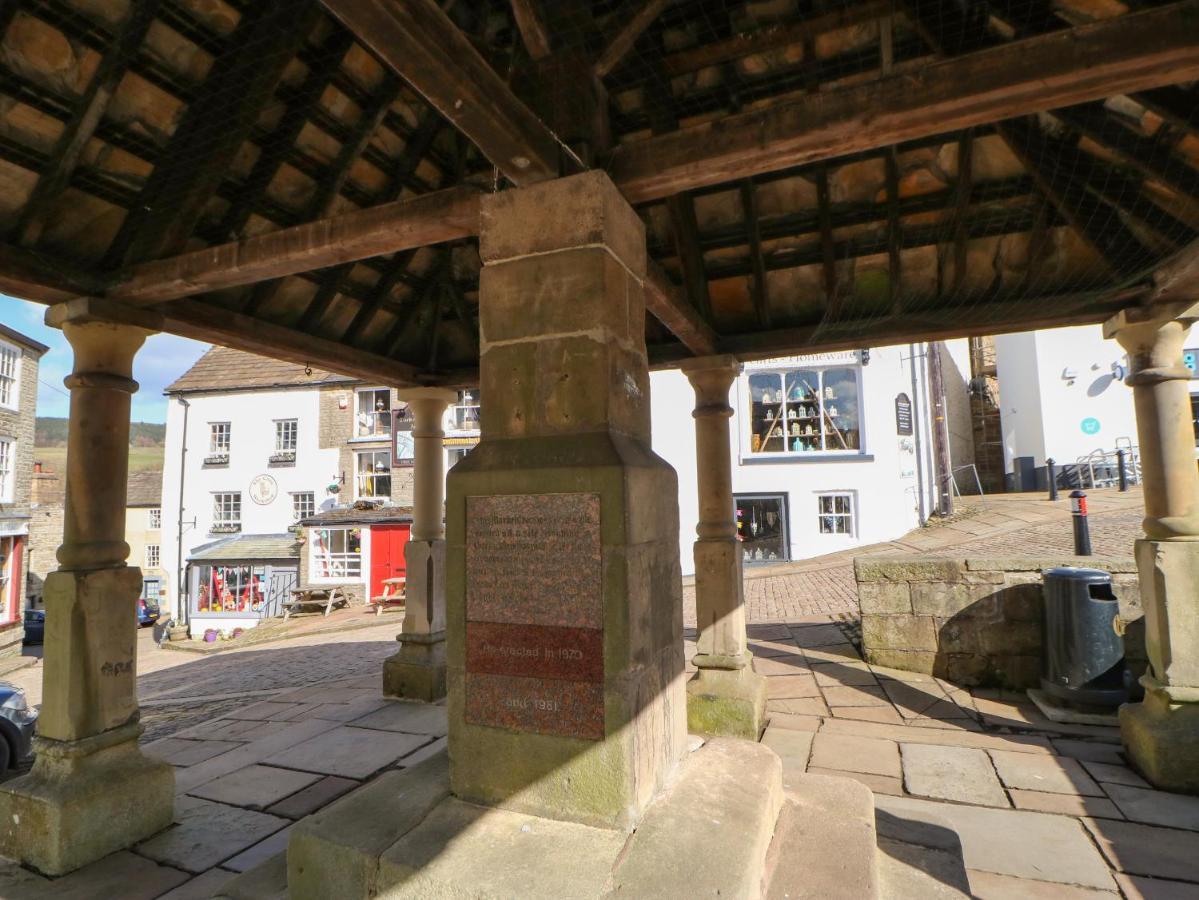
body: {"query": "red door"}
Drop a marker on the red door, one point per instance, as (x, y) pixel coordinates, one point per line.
(387, 554)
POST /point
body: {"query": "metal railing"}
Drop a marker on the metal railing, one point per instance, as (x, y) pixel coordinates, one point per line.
(1101, 468)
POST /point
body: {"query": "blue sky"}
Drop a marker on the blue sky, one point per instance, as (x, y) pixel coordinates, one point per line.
(162, 359)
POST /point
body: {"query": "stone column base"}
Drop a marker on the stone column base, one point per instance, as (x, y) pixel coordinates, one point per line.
(728, 702)
(417, 671)
(1161, 736)
(83, 800)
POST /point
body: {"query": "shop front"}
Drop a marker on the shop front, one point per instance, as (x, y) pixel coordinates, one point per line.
(356, 548)
(13, 538)
(237, 582)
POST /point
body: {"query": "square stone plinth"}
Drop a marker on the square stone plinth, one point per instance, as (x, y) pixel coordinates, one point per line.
(575, 707)
(73, 809)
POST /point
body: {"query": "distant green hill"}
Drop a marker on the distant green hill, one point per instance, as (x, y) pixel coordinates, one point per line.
(52, 432)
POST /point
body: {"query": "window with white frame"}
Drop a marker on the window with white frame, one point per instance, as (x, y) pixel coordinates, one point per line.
(152, 556)
(835, 513)
(226, 511)
(10, 376)
(334, 554)
(155, 519)
(286, 433)
(373, 412)
(466, 411)
(303, 505)
(219, 437)
(805, 411)
(372, 475)
(8, 453)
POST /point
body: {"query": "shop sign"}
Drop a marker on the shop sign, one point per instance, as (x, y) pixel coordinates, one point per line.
(403, 445)
(263, 490)
(903, 414)
(838, 358)
(1090, 425)
(1189, 356)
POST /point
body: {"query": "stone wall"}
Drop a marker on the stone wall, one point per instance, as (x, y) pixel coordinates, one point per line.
(974, 621)
(12, 637)
(335, 430)
(46, 524)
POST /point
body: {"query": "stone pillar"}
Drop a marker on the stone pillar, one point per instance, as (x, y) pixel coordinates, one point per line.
(726, 696)
(417, 671)
(1161, 734)
(564, 595)
(91, 791)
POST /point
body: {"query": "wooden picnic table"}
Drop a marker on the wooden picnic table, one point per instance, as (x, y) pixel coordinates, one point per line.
(392, 596)
(328, 598)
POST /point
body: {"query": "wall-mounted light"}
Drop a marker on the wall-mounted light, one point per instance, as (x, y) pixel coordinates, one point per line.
(1068, 375)
(864, 354)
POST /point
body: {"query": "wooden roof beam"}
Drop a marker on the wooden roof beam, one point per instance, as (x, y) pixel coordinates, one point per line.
(388, 228)
(531, 25)
(419, 42)
(32, 276)
(1128, 53)
(665, 301)
(635, 17)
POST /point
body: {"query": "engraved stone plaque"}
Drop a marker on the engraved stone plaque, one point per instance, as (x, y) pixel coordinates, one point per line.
(534, 614)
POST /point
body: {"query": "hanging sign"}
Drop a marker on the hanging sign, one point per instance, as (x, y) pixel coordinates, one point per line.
(403, 445)
(903, 414)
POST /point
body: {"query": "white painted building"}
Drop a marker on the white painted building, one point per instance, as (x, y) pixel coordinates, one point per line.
(830, 451)
(1062, 396)
(256, 446)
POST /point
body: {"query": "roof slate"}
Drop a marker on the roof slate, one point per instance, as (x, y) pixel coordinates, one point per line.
(248, 547)
(350, 516)
(223, 369)
(145, 489)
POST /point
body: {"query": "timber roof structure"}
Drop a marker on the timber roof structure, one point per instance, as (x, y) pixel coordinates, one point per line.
(301, 179)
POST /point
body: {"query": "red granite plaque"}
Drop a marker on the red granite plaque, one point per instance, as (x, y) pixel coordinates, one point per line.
(537, 651)
(534, 614)
(540, 705)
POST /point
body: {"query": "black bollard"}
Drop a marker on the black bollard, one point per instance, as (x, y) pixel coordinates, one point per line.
(1051, 468)
(1123, 470)
(1082, 529)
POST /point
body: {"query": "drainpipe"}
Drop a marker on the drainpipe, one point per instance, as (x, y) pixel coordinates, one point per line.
(942, 470)
(181, 579)
(921, 513)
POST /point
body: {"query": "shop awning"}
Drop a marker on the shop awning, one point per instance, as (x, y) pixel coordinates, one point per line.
(248, 547)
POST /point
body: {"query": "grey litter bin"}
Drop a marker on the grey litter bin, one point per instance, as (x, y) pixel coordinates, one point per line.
(1082, 655)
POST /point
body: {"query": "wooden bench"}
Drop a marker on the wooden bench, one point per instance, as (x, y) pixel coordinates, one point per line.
(326, 598)
(392, 596)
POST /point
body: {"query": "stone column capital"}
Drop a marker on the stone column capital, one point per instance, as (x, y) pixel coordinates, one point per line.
(445, 396)
(711, 377)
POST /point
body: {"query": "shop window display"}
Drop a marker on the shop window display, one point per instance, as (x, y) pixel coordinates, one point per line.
(762, 528)
(335, 554)
(230, 589)
(805, 411)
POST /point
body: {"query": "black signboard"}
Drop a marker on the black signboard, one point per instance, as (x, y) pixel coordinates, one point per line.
(903, 414)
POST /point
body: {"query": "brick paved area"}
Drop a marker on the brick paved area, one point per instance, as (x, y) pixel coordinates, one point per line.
(1003, 525)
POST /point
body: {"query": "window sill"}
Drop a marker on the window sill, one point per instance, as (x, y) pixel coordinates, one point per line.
(225, 529)
(370, 438)
(805, 458)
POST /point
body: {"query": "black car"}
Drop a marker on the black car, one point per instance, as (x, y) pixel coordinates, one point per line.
(35, 626)
(17, 721)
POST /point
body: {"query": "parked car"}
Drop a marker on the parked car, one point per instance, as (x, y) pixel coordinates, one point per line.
(147, 611)
(35, 626)
(17, 721)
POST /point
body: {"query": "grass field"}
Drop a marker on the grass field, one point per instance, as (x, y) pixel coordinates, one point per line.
(141, 459)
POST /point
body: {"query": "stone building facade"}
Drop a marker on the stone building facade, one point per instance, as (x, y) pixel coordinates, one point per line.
(19, 359)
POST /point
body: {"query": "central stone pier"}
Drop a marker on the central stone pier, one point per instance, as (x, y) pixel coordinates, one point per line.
(563, 594)
(569, 771)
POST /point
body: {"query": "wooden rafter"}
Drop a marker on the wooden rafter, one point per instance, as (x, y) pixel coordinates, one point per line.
(1049, 163)
(894, 235)
(420, 43)
(425, 135)
(963, 190)
(389, 228)
(633, 18)
(758, 287)
(276, 150)
(1135, 52)
(82, 124)
(1144, 154)
(213, 128)
(531, 24)
(414, 304)
(666, 302)
(33, 276)
(828, 252)
(1178, 107)
(691, 258)
(772, 37)
(329, 188)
